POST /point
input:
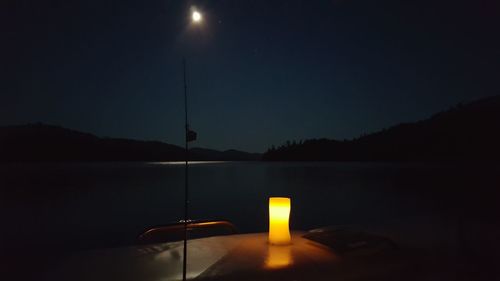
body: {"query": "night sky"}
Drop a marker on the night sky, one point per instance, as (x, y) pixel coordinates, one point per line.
(260, 72)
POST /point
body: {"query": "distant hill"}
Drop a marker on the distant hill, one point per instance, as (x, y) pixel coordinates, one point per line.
(40, 142)
(464, 132)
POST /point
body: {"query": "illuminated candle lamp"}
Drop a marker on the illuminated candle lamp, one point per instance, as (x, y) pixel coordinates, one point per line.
(279, 214)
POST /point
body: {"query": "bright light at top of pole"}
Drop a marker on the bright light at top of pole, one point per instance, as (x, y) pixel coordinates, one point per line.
(196, 16)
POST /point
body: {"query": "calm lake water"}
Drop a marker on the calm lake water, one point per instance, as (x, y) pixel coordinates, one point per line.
(88, 205)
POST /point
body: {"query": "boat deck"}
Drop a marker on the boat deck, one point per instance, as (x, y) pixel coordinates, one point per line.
(237, 257)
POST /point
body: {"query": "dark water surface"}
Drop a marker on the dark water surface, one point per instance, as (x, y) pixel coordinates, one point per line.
(86, 205)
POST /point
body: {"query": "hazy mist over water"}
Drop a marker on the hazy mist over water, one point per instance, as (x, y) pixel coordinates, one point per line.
(88, 205)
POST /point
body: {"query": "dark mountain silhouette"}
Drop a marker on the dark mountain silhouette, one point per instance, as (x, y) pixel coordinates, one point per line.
(40, 142)
(464, 132)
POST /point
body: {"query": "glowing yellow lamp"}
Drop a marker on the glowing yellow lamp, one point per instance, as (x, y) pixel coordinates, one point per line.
(279, 214)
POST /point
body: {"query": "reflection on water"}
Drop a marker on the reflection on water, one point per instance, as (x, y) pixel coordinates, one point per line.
(184, 162)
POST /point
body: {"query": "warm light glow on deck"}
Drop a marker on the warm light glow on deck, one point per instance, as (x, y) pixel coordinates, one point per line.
(278, 257)
(279, 214)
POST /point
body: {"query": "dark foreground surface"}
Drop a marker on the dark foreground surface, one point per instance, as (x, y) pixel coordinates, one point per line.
(50, 211)
(334, 253)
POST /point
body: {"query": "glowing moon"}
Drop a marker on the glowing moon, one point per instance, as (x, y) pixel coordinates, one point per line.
(196, 16)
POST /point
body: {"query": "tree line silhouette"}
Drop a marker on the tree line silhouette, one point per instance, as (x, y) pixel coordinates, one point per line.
(464, 132)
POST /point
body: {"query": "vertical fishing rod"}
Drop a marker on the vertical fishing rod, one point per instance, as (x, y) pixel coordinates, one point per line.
(186, 189)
